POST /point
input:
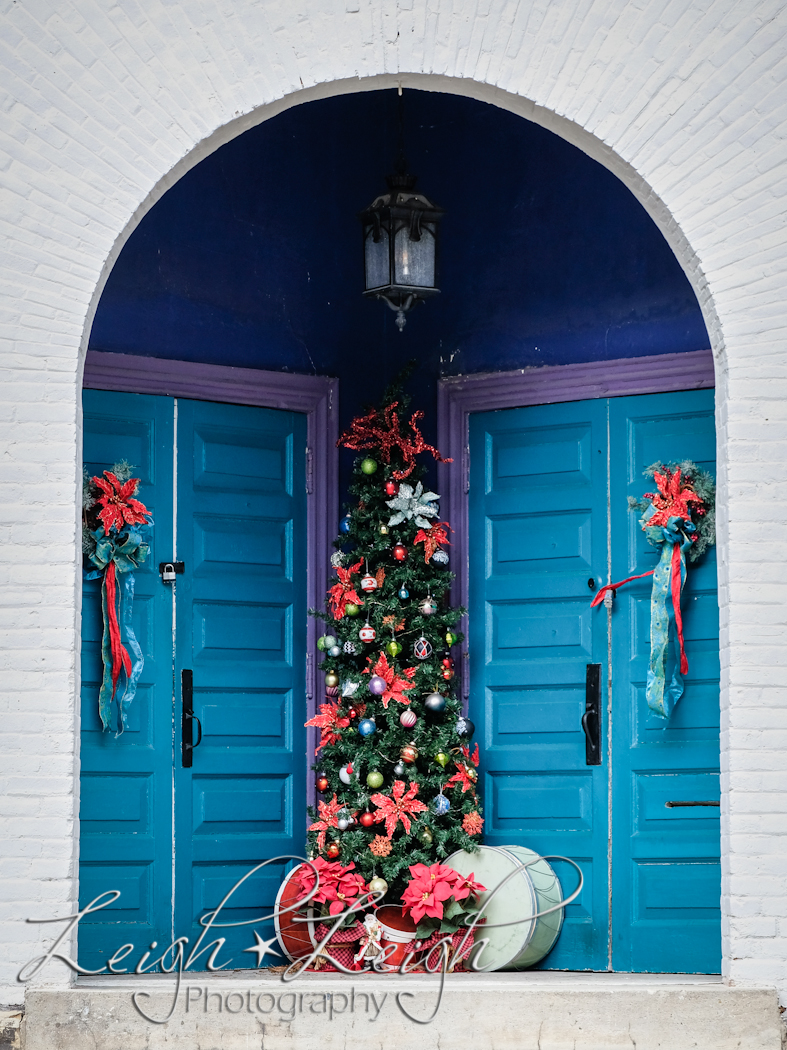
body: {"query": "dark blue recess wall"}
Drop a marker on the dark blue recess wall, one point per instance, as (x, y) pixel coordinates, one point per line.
(254, 257)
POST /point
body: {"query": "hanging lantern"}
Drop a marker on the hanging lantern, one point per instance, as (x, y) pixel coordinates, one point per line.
(400, 241)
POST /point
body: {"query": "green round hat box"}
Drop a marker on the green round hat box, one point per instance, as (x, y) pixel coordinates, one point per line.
(533, 889)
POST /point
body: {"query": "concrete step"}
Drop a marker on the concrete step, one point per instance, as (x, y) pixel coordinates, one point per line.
(527, 1011)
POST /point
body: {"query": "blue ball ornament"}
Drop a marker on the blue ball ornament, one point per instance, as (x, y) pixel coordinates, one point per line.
(344, 524)
(404, 594)
(367, 726)
(441, 805)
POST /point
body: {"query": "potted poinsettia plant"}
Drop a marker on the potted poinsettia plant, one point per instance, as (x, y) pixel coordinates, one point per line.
(339, 886)
(440, 900)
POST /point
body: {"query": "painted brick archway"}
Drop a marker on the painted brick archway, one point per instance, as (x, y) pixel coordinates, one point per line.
(104, 111)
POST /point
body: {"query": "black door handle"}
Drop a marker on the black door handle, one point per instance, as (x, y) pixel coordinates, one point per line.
(591, 719)
(187, 719)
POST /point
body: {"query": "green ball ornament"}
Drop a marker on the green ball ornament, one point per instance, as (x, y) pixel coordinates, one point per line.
(321, 644)
(393, 648)
(351, 609)
(442, 759)
(374, 779)
(369, 465)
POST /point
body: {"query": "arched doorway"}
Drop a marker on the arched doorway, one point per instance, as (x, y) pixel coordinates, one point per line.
(572, 270)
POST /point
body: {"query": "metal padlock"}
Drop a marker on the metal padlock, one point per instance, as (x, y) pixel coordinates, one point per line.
(168, 575)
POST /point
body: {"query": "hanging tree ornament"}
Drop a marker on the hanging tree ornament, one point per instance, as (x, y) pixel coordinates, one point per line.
(366, 818)
(351, 609)
(404, 594)
(435, 702)
(450, 638)
(440, 557)
(333, 850)
(375, 779)
(399, 552)
(346, 773)
(344, 524)
(337, 559)
(428, 607)
(322, 784)
(383, 529)
(441, 805)
(442, 759)
(426, 836)
(350, 648)
(369, 582)
(393, 648)
(422, 649)
(409, 754)
(367, 726)
(369, 465)
(464, 727)
(378, 885)
(391, 488)
(408, 718)
(399, 769)
(448, 674)
(377, 685)
(332, 680)
(335, 651)
(367, 633)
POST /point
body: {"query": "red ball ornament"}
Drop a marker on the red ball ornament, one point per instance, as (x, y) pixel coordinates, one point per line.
(352, 713)
(409, 754)
(391, 488)
(447, 661)
(322, 784)
(400, 552)
(333, 850)
(448, 674)
(367, 819)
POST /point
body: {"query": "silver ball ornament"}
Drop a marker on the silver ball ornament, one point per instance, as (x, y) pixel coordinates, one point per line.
(335, 651)
(399, 769)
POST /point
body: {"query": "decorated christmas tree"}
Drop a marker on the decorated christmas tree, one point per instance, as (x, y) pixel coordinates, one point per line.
(396, 768)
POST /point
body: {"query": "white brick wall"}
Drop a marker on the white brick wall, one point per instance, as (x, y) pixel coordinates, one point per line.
(105, 104)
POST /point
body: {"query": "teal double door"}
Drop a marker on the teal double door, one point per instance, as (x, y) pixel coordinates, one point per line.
(172, 827)
(548, 495)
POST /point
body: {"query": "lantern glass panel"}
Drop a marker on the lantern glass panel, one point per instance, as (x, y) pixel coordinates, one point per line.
(377, 259)
(414, 261)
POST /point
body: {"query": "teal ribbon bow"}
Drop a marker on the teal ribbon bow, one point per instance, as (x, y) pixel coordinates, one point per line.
(124, 552)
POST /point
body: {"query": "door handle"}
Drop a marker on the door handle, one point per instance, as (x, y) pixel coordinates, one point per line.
(591, 719)
(675, 805)
(187, 719)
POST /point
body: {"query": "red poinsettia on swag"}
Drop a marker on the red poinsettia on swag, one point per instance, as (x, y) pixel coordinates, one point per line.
(338, 886)
(118, 506)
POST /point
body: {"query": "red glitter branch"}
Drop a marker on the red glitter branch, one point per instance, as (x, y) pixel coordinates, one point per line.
(382, 431)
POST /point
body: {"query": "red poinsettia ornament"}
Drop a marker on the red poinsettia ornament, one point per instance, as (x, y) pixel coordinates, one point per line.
(673, 499)
(329, 722)
(433, 538)
(328, 819)
(344, 591)
(395, 686)
(399, 806)
(118, 506)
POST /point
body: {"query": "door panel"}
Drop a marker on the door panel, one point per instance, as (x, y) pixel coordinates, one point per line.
(539, 484)
(240, 613)
(125, 794)
(242, 535)
(538, 495)
(665, 861)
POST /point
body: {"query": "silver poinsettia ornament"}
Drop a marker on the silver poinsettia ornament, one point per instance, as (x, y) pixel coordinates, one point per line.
(414, 503)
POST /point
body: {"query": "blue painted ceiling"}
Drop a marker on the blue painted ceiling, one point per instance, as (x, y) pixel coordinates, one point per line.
(254, 257)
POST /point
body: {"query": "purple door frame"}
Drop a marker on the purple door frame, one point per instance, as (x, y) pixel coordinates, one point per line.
(317, 397)
(458, 396)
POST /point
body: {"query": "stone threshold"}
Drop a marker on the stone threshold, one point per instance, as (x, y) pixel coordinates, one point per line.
(531, 1010)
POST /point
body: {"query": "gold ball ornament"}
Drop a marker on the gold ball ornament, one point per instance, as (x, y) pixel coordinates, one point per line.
(378, 885)
(472, 773)
(384, 530)
(333, 850)
(331, 679)
(426, 836)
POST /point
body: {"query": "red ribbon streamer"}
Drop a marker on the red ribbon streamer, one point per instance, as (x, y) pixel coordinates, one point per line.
(675, 582)
(614, 586)
(120, 657)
